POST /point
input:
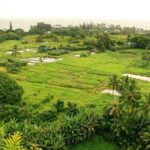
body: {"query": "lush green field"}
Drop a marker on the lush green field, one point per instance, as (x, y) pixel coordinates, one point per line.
(79, 80)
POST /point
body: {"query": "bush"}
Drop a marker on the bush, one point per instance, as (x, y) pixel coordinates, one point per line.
(47, 116)
(39, 38)
(43, 49)
(16, 66)
(9, 36)
(59, 105)
(140, 41)
(8, 112)
(47, 99)
(72, 109)
(12, 65)
(83, 55)
(76, 47)
(81, 127)
(57, 52)
(10, 91)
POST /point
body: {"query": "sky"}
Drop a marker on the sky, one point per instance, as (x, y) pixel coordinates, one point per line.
(96, 9)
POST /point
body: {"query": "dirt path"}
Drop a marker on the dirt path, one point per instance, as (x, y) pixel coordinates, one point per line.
(138, 77)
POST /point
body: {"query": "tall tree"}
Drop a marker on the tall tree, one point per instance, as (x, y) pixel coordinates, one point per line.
(15, 51)
(10, 26)
(113, 82)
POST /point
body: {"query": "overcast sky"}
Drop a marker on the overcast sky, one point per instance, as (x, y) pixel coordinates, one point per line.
(102, 9)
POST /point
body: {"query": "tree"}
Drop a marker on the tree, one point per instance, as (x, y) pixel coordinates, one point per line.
(140, 41)
(10, 91)
(103, 42)
(10, 26)
(146, 106)
(130, 93)
(146, 57)
(113, 82)
(40, 28)
(114, 109)
(15, 51)
(59, 105)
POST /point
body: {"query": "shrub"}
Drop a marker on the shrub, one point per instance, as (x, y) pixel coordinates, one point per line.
(47, 116)
(47, 99)
(72, 109)
(43, 49)
(80, 127)
(9, 36)
(39, 38)
(16, 66)
(140, 41)
(83, 55)
(13, 65)
(59, 105)
(58, 52)
(10, 91)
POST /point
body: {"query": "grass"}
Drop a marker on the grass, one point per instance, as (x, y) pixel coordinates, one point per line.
(78, 80)
(95, 143)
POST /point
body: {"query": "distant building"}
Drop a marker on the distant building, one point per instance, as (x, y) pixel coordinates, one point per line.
(48, 32)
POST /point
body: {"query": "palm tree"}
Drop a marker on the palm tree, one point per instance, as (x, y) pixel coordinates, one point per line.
(113, 82)
(130, 94)
(114, 109)
(146, 107)
(15, 51)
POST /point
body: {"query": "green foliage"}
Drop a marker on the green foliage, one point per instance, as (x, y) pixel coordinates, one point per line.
(47, 116)
(13, 142)
(83, 55)
(2, 134)
(15, 51)
(145, 137)
(9, 36)
(146, 58)
(96, 143)
(40, 28)
(113, 82)
(43, 48)
(140, 41)
(47, 99)
(10, 91)
(80, 127)
(8, 112)
(59, 105)
(13, 65)
(125, 118)
(39, 38)
(72, 109)
(52, 37)
(103, 42)
(58, 52)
